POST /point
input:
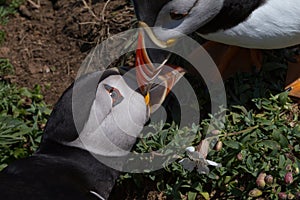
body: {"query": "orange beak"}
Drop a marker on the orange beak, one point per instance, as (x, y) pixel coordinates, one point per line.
(145, 71)
(294, 89)
(151, 77)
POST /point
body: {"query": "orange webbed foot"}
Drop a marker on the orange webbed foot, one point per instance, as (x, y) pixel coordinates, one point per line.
(233, 59)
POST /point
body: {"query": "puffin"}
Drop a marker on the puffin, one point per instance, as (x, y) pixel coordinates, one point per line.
(253, 24)
(96, 119)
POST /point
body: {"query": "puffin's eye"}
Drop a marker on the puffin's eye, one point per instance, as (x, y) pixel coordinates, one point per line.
(175, 15)
(115, 94)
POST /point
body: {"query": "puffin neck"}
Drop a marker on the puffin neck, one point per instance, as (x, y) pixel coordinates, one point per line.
(99, 177)
(232, 13)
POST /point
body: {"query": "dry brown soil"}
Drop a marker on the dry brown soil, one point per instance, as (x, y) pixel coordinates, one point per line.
(46, 43)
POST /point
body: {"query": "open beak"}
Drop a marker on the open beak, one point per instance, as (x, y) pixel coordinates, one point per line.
(154, 80)
(157, 90)
(154, 39)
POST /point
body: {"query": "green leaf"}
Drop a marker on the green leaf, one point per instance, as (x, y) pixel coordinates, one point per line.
(283, 141)
(278, 136)
(232, 144)
(227, 179)
(242, 108)
(197, 186)
(250, 163)
(283, 98)
(205, 195)
(281, 163)
(192, 195)
(296, 131)
(270, 144)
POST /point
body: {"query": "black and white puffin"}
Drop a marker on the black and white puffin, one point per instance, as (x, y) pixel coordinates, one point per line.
(255, 24)
(259, 24)
(98, 116)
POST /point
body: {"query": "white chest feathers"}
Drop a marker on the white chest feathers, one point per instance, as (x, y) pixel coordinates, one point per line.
(276, 24)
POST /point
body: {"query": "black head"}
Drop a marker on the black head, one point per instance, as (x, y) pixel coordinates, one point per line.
(61, 126)
(147, 10)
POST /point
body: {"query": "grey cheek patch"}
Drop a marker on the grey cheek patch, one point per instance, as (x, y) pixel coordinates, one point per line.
(117, 101)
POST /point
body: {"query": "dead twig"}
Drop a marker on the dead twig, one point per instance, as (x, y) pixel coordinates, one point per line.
(68, 69)
(242, 131)
(85, 23)
(90, 10)
(35, 5)
(103, 10)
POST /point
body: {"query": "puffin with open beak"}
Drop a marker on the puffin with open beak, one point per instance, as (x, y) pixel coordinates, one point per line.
(98, 118)
(255, 24)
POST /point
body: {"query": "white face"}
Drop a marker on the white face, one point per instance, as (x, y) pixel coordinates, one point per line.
(117, 116)
(184, 17)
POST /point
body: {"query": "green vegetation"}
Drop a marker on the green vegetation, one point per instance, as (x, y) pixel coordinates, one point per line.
(7, 8)
(258, 148)
(264, 139)
(23, 114)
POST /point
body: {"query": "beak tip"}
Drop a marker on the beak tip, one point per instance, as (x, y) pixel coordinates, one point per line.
(147, 98)
(171, 41)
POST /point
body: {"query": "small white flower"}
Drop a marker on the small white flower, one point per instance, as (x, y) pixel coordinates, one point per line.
(196, 160)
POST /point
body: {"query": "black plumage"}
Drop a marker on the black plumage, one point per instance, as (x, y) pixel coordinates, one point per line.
(232, 13)
(57, 171)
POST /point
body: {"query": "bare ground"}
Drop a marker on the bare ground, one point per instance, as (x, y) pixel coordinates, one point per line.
(46, 43)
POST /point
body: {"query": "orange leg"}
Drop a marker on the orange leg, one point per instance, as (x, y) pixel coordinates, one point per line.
(232, 59)
(293, 78)
(256, 58)
(226, 59)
